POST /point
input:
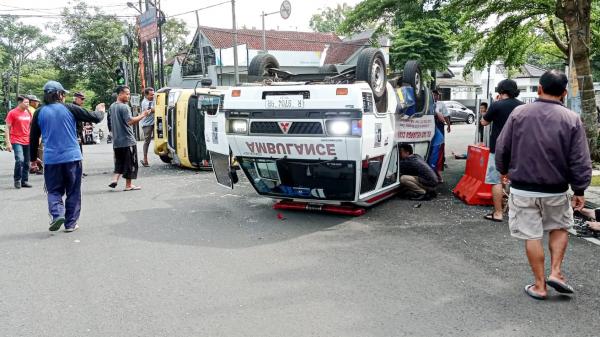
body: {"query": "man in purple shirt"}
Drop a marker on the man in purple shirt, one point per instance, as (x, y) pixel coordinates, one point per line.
(544, 151)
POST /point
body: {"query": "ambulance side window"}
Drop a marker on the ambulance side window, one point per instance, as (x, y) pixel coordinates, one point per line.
(391, 176)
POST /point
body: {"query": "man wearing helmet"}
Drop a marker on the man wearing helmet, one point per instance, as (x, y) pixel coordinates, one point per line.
(497, 115)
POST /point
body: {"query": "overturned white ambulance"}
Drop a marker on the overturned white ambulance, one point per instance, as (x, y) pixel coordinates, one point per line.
(326, 141)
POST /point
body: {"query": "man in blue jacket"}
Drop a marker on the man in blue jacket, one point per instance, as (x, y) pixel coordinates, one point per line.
(56, 123)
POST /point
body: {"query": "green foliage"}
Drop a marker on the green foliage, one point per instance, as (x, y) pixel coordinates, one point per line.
(387, 14)
(518, 34)
(330, 19)
(428, 41)
(17, 42)
(595, 46)
(35, 74)
(174, 33)
(93, 51)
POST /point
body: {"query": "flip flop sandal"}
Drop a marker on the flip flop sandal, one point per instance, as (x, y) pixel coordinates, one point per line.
(533, 294)
(490, 217)
(112, 184)
(133, 188)
(144, 164)
(559, 286)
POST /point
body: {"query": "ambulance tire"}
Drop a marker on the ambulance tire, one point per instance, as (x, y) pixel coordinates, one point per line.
(328, 69)
(412, 76)
(261, 63)
(370, 68)
(165, 158)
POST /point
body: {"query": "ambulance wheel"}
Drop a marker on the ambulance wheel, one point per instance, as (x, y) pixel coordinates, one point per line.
(328, 69)
(165, 158)
(412, 76)
(261, 63)
(370, 68)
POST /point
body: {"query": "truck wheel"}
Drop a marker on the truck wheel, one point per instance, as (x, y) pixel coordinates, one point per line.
(370, 68)
(165, 158)
(261, 63)
(328, 69)
(412, 76)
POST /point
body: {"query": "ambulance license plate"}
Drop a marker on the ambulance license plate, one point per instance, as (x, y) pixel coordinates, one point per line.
(284, 102)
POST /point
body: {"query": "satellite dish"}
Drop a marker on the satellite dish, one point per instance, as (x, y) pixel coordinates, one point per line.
(286, 9)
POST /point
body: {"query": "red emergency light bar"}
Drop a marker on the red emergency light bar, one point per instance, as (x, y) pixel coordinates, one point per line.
(302, 206)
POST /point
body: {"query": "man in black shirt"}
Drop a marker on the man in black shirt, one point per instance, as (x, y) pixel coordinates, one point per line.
(497, 115)
(417, 179)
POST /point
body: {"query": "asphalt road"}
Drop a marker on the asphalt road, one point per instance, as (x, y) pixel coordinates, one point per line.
(184, 257)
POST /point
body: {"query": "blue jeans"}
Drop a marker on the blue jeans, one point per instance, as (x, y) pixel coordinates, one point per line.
(21, 162)
(64, 179)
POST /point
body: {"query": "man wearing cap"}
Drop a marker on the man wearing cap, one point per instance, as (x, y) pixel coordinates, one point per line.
(34, 103)
(543, 149)
(497, 115)
(18, 122)
(36, 167)
(56, 123)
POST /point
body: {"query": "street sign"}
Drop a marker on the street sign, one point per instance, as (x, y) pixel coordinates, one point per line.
(286, 9)
(148, 25)
(135, 100)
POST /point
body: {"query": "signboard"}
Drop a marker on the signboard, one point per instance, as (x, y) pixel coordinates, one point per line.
(414, 130)
(285, 9)
(148, 25)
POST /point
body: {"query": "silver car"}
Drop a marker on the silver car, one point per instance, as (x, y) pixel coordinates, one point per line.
(459, 112)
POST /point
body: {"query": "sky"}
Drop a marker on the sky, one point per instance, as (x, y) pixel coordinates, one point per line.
(248, 12)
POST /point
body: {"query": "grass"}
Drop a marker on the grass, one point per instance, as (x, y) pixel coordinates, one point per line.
(595, 181)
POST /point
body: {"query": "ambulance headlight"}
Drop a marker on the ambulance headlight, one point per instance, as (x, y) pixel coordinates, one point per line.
(238, 126)
(339, 128)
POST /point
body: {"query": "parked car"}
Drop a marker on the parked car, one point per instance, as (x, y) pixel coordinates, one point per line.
(459, 112)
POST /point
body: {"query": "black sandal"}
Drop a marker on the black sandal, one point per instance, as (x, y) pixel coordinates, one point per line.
(490, 217)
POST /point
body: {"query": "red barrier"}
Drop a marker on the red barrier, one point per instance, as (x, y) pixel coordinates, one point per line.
(472, 188)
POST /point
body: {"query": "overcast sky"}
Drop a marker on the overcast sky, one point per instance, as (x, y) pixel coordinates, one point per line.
(247, 11)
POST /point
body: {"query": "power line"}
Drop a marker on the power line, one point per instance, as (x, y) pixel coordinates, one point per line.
(199, 9)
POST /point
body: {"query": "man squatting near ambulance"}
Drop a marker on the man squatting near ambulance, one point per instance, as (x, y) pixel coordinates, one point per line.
(56, 122)
(543, 149)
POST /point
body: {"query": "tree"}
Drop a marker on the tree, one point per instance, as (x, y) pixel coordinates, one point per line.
(19, 41)
(388, 14)
(93, 51)
(567, 23)
(174, 33)
(330, 19)
(427, 41)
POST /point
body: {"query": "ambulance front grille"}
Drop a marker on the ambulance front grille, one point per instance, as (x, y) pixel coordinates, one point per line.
(294, 128)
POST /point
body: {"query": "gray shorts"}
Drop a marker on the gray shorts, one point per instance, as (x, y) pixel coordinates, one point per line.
(529, 218)
(148, 132)
(492, 176)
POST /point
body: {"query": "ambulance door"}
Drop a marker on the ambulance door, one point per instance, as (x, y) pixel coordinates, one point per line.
(216, 139)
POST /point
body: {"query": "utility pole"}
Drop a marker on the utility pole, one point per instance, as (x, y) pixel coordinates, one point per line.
(264, 34)
(236, 75)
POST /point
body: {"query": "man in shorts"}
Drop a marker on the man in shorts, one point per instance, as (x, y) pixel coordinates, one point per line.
(497, 115)
(544, 150)
(124, 143)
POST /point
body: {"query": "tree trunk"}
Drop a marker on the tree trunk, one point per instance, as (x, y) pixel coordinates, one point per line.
(18, 85)
(577, 17)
